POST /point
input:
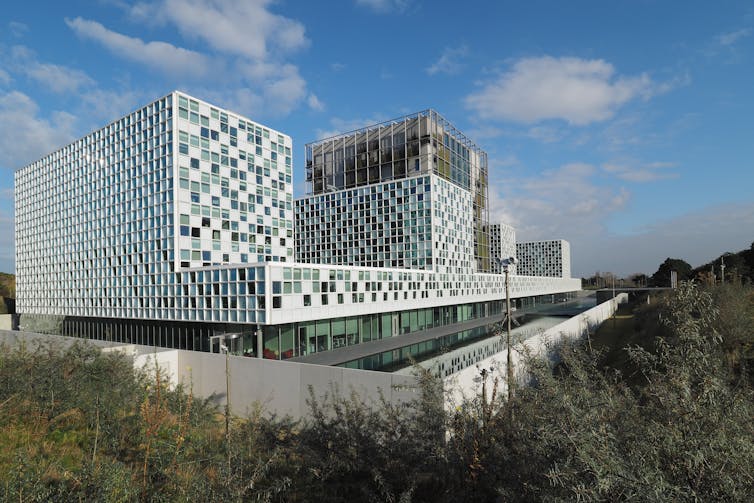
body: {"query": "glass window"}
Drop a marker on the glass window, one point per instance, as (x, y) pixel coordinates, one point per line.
(366, 328)
(386, 328)
(323, 335)
(271, 348)
(338, 333)
(405, 322)
(286, 341)
(352, 331)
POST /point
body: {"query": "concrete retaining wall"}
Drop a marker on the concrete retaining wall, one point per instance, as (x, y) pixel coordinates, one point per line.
(281, 387)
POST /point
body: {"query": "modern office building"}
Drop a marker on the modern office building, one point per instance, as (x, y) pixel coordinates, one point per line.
(423, 143)
(502, 246)
(175, 223)
(550, 258)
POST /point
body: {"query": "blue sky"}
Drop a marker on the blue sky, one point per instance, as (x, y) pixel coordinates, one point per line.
(625, 127)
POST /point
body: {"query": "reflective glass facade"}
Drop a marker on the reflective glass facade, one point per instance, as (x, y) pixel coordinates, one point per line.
(416, 144)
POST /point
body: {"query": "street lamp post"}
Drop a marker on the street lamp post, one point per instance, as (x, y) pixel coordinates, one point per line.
(505, 265)
(225, 341)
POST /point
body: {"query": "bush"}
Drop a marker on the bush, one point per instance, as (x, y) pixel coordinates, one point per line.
(82, 425)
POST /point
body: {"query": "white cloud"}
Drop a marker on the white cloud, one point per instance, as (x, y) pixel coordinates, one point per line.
(7, 246)
(93, 103)
(17, 28)
(244, 28)
(386, 74)
(59, 79)
(161, 56)
(696, 237)
(627, 131)
(485, 132)
(508, 161)
(339, 126)
(730, 38)
(278, 88)
(314, 103)
(24, 136)
(727, 47)
(681, 80)
(450, 61)
(105, 105)
(575, 90)
(286, 90)
(243, 40)
(572, 202)
(561, 203)
(641, 173)
(385, 6)
(239, 98)
(545, 134)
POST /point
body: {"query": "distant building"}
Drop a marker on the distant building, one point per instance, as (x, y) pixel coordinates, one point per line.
(502, 246)
(544, 258)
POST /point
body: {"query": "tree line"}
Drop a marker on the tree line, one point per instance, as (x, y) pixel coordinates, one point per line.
(736, 267)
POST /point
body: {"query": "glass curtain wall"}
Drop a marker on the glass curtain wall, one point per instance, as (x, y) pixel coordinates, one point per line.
(419, 143)
(281, 342)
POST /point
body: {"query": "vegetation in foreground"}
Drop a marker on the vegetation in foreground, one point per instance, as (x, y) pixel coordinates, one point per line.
(79, 425)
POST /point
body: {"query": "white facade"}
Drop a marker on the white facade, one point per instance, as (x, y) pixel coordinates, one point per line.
(544, 258)
(105, 225)
(502, 246)
(235, 198)
(181, 214)
(310, 292)
(422, 222)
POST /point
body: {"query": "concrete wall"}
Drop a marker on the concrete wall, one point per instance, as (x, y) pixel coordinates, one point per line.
(464, 384)
(281, 387)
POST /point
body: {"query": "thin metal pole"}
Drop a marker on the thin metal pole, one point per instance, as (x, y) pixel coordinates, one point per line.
(509, 360)
(227, 407)
(483, 373)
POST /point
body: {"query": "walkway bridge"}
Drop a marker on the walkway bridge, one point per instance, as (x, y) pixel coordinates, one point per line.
(605, 294)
